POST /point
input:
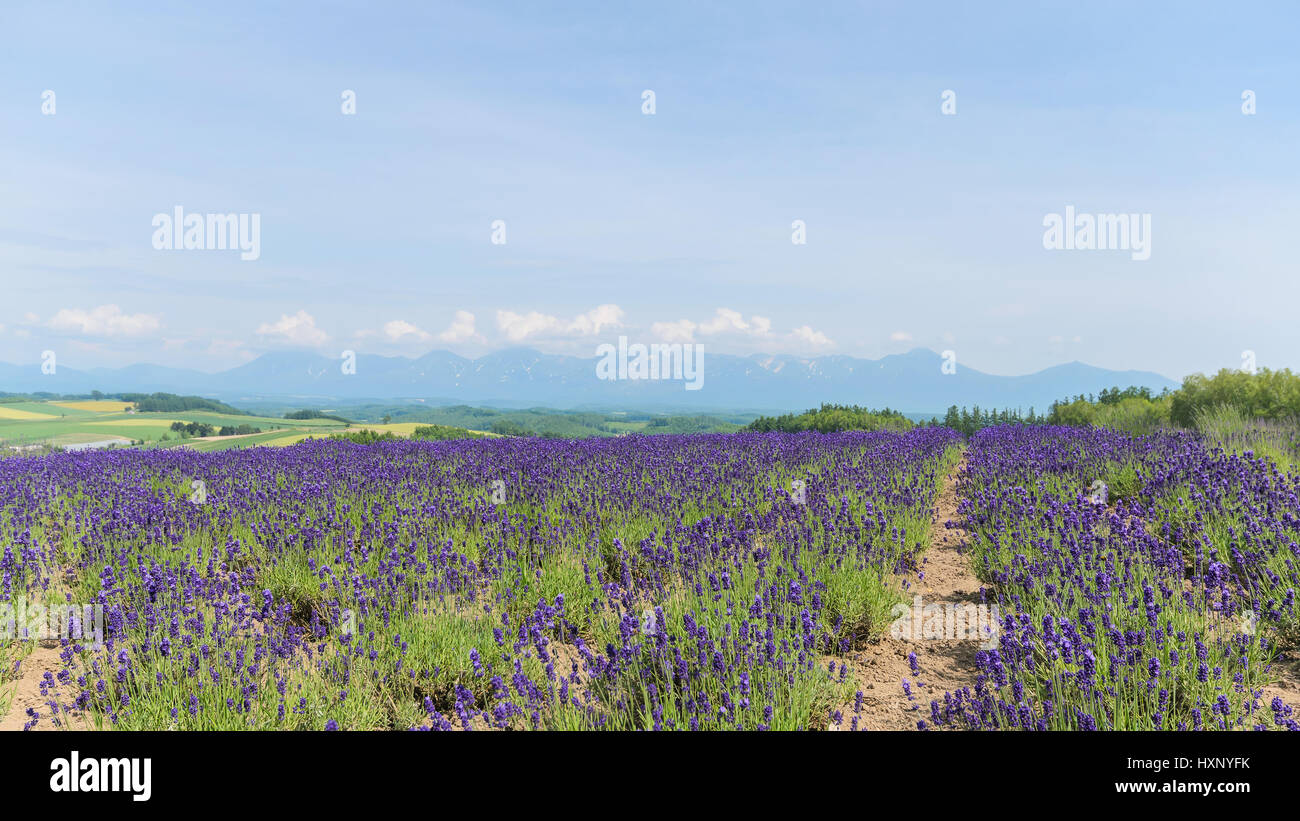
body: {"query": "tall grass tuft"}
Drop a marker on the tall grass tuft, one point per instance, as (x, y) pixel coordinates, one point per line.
(1232, 430)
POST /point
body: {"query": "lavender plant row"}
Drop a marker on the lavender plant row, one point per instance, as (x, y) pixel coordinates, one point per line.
(634, 583)
(1164, 608)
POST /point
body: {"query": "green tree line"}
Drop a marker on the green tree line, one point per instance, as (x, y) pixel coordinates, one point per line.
(171, 403)
(200, 429)
(830, 418)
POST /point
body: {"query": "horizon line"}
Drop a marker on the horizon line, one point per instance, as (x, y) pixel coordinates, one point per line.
(756, 354)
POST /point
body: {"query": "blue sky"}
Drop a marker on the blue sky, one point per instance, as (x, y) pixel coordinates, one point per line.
(922, 229)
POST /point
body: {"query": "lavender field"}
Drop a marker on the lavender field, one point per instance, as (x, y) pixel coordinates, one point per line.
(1162, 608)
(672, 582)
(643, 582)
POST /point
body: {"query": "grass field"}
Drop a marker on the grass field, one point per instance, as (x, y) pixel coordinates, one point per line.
(18, 413)
(277, 438)
(396, 428)
(85, 438)
(63, 423)
(66, 423)
(96, 405)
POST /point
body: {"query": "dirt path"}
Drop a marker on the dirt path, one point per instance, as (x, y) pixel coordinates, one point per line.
(945, 664)
(1286, 671)
(27, 694)
(22, 691)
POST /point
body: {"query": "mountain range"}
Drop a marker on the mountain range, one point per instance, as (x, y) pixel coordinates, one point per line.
(912, 382)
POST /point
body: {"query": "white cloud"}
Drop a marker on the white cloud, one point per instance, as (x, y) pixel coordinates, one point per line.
(726, 320)
(683, 330)
(806, 334)
(521, 326)
(104, 320)
(399, 329)
(299, 329)
(900, 336)
(2, 329)
(757, 330)
(518, 327)
(30, 318)
(590, 323)
(461, 329)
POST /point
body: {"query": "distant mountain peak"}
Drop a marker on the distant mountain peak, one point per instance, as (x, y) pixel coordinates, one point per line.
(912, 381)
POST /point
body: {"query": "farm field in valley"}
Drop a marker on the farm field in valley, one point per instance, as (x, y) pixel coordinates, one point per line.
(24, 424)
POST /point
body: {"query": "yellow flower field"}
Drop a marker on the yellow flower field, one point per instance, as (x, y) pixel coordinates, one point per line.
(14, 413)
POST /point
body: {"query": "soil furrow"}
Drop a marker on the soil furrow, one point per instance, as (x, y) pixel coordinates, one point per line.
(945, 579)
